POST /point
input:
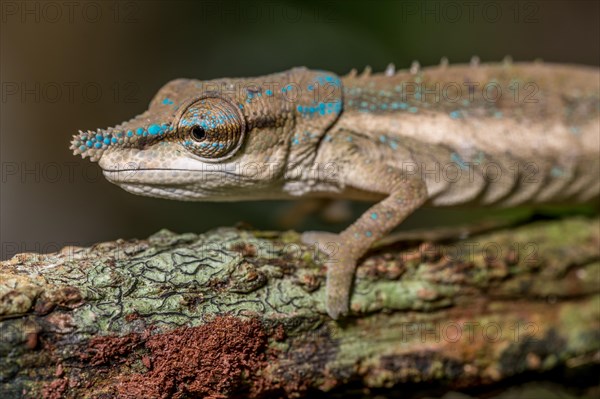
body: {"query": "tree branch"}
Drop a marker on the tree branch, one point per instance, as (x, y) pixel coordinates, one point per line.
(241, 313)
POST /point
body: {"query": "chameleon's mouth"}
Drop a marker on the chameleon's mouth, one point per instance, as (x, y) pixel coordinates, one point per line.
(151, 176)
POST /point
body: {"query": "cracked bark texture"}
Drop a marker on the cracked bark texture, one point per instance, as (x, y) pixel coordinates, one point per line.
(240, 313)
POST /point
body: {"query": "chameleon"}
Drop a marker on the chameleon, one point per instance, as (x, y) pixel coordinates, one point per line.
(476, 134)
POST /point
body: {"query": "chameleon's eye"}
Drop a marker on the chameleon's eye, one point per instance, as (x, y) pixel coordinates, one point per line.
(211, 127)
(198, 133)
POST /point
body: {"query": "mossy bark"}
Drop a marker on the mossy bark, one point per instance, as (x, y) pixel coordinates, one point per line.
(241, 313)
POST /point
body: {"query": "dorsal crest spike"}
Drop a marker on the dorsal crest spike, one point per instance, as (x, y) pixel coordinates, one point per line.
(444, 62)
(353, 72)
(390, 70)
(507, 60)
(415, 67)
(366, 72)
(474, 61)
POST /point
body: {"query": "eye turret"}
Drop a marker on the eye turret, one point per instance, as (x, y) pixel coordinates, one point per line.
(211, 127)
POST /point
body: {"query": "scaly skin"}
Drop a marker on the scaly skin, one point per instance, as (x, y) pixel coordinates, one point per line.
(495, 134)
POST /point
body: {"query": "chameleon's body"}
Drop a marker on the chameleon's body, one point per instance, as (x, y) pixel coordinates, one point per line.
(496, 134)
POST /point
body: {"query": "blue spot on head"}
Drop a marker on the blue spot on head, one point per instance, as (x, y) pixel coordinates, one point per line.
(382, 138)
(154, 129)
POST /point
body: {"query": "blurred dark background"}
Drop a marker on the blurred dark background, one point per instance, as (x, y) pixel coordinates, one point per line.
(94, 64)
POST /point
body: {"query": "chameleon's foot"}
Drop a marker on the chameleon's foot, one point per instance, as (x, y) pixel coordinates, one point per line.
(340, 270)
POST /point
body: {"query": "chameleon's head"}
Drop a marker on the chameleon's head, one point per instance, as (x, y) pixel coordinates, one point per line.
(226, 139)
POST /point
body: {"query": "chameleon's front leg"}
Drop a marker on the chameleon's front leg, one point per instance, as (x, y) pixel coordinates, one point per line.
(405, 194)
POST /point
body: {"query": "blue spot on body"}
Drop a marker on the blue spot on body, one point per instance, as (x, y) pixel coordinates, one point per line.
(167, 101)
(99, 137)
(374, 216)
(413, 110)
(129, 133)
(455, 115)
(98, 145)
(368, 234)
(557, 172)
(107, 141)
(89, 143)
(269, 92)
(82, 148)
(458, 160)
(139, 131)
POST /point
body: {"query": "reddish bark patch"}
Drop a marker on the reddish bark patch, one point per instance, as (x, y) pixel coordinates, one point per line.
(55, 389)
(104, 349)
(215, 360)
